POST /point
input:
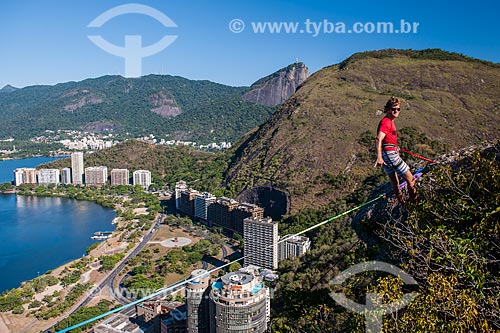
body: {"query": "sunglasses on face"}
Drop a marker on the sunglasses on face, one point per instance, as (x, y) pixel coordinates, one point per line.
(395, 109)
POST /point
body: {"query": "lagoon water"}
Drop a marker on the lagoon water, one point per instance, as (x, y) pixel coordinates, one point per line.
(41, 233)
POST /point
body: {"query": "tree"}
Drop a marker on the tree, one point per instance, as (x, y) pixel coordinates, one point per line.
(234, 266)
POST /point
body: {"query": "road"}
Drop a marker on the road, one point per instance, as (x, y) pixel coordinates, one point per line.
(110, 278)
(109, 281)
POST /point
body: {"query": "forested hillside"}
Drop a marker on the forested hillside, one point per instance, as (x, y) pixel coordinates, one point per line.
(449, 243)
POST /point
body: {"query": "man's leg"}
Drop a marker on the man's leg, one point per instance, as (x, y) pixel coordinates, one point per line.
(412, 191)
(395, 188)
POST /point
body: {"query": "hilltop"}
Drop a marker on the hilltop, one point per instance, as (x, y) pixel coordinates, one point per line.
(275, 89)
(8, 88)
(319, 145)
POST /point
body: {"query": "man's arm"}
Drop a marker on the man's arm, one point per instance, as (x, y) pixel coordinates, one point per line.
(378, 146)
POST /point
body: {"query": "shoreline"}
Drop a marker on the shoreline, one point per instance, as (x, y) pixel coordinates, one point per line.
(113, 224)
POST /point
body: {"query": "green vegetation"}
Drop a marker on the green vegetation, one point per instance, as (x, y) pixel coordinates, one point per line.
(200, 111)
(106, 196)
(55, 304)
(6, 186)
(144, 282)
(26, 148)
(15, 298)
(109, 262)
(150, 266)
(427, 54)
(55, 309)
(234, 266)
(202, 170)
(449, 243)
(10, 300)
(71, 278)
(91, 247)
(83, 314)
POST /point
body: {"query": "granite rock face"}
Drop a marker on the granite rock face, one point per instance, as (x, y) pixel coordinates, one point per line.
(275, 202)
(278, 87)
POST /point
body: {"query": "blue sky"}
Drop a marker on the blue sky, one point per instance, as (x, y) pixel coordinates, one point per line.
(45, 41)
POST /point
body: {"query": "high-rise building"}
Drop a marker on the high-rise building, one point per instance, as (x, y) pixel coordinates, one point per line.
(48, 176)
(221, 212)
(292, 245)
(197, 307)
(261, 242)
(29, 175)
(142, 178)
(77, 170)
(66, 176)
(240, 302)
(120, 177)
(187, 202)
(96, 175)
(201, 203)
(18, 176)
(179, 187)
(243, 211)
(25, 176)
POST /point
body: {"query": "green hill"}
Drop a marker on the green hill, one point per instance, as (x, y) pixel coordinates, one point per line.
(168, 164)
(168, 106)
(319, 146)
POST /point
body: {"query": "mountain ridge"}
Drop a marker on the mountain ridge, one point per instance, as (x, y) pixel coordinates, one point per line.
(169, 106)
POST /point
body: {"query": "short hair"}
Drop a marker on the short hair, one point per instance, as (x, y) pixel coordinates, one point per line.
(392, 102)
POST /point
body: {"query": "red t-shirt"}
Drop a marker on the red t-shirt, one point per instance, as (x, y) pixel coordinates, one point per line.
(387, 127)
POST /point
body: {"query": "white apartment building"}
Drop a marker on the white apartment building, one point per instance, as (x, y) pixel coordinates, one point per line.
(260, 242)
(142, 177)
(48, 176)
(77, 170)
(120, 177)
(19, 176)
(96, 175)
(292, 245)
(30, 175)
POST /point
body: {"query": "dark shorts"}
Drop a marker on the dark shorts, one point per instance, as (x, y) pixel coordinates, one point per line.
(394, 163)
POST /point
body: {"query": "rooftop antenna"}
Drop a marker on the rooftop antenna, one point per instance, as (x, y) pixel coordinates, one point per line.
(297, 62)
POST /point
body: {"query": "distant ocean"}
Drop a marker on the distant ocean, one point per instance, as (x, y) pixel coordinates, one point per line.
(41, 233)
